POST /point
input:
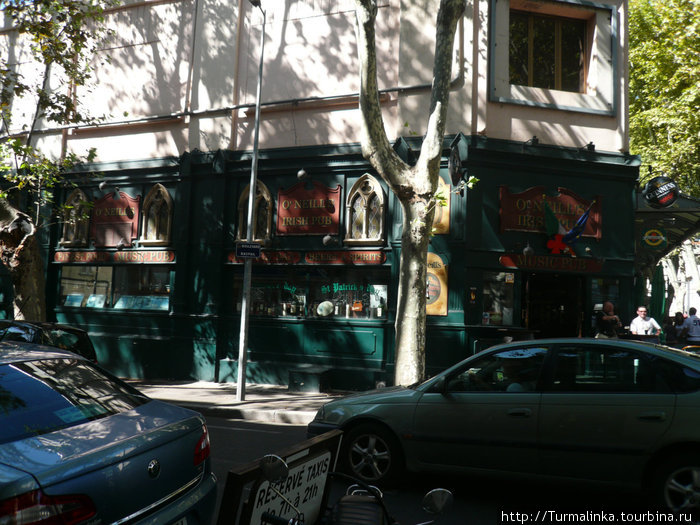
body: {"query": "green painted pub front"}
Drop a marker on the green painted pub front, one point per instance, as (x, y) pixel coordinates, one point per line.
(155, 276)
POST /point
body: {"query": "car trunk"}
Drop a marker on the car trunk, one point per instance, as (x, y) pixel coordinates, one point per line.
(128, 464)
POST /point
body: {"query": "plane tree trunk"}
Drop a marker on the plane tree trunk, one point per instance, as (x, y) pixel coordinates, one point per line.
(414, 186)
(20, 253)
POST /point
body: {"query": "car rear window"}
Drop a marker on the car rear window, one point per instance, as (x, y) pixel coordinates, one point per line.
(37, 397)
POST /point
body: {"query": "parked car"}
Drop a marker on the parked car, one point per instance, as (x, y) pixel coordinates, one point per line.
(58, 335)
(601, 410)
(78, 445)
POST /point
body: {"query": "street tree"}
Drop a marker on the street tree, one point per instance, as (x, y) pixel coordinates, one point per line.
(45, 58)
(414, 186)
(664, 59)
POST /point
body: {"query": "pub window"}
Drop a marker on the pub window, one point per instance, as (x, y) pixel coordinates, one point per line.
(499, 298)
(547, 52)
(262, 214)
(76, 220)
(156, 217)
(134, 287)
(321, 293)
(365, 213)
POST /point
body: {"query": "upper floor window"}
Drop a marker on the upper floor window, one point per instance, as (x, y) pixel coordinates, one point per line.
(547, 52)
(365, 212)
(76, 221)
(157, 217)
(262, 214)
(555, 54)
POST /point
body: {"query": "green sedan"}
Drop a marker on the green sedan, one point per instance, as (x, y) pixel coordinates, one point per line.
(618, 412)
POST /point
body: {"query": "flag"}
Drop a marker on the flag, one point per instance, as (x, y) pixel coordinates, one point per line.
(575, 233)
(551, 223)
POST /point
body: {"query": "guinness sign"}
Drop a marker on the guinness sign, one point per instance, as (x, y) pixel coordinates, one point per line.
(660, 192)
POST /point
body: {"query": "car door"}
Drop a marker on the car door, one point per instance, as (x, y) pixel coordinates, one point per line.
(603, 409)
(477, 418)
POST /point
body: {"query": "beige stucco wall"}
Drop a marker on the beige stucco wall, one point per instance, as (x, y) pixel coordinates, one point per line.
(182, 74)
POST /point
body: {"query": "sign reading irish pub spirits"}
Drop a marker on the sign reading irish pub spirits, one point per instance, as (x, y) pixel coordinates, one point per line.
(308, 209)
(525, 211)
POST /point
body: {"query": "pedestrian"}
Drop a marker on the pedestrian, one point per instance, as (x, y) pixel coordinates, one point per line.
(607, 322)
(678, 320)
(691, 327)
(643, 325)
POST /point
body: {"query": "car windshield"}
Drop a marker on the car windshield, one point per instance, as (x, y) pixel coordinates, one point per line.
(37, 397)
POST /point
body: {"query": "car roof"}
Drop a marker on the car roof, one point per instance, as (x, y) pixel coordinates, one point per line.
(41, 324)
(657, 349)
(18, 351)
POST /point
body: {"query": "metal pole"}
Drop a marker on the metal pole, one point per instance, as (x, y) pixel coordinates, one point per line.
(248, 265)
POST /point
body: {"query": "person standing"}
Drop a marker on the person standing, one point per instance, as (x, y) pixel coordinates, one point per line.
(643, 325)
(691, 327)
(607, 322)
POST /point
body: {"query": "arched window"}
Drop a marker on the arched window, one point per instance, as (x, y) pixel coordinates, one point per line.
(365, 213)
(156, 217)
(262, 213)
(76, 220)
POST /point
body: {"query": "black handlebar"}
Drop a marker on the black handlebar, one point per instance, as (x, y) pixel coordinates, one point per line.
(271, 519)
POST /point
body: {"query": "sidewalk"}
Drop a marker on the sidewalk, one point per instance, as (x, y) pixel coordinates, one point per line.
(269, 403)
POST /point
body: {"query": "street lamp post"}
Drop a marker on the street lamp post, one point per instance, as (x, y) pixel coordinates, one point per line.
(248, 264)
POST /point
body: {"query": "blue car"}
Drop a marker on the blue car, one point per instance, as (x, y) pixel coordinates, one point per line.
(78, 445)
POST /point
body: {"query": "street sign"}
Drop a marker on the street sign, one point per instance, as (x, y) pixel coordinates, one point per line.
(247, 250)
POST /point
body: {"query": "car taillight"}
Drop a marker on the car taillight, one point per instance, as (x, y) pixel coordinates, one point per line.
(38, 508)
(203, 448)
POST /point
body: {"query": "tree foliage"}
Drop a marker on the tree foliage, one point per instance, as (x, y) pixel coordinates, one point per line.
(45, 58)
(664, 59)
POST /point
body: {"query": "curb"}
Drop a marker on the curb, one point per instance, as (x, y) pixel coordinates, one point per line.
(280, 416)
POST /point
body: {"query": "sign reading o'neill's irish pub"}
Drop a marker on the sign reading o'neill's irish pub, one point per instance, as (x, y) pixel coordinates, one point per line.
(115, 219)
(308, 209)
(525, 211)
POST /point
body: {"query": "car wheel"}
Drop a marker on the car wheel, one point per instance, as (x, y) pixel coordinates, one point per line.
(372, 454)
(676, 483)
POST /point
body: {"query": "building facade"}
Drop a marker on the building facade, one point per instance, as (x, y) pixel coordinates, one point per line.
(537, 114)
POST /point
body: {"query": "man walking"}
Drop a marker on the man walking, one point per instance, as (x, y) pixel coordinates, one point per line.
(691, 327)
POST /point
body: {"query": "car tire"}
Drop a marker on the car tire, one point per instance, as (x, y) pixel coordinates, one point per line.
(372, 454)
(675, 483)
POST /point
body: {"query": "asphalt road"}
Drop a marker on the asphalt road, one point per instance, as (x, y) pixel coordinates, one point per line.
(477, 501)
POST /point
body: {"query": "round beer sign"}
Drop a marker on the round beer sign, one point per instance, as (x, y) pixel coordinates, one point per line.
(660, 192)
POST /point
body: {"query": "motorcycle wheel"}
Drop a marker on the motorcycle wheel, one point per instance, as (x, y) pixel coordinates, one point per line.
(372, 454)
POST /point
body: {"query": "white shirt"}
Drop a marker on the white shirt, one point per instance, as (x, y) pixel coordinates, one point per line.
(644, 326)
(692, 323)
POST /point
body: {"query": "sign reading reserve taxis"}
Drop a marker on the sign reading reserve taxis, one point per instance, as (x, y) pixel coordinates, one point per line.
(308, 209)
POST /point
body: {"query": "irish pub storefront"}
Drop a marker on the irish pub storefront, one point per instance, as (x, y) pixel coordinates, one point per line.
(155, 276)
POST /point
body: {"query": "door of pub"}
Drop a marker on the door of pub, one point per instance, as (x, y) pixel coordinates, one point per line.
(553, 304)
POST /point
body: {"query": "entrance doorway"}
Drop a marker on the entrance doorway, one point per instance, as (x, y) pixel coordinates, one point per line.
(553, 304)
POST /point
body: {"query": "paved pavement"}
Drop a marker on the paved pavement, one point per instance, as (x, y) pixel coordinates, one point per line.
(269, 403)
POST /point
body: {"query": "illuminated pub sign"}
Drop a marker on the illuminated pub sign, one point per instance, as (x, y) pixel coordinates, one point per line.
(114, 220)
(308, 209)
(525, 211)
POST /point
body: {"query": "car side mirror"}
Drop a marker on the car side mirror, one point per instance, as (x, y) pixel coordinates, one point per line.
(274, 469)
(437, 500)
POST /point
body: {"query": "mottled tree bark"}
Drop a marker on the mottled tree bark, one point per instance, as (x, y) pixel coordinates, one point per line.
(19, 251)
(414, 186)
